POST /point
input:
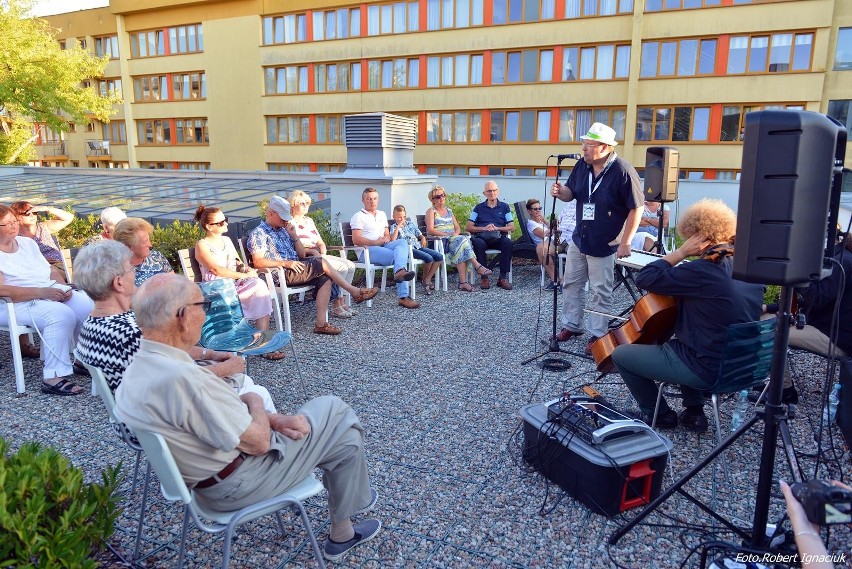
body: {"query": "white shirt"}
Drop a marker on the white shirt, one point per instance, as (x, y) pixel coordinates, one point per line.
(26, 266)
(372, 226)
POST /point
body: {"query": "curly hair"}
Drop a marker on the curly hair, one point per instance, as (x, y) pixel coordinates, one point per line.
(127, 230)
(434, 191)
(711, 218)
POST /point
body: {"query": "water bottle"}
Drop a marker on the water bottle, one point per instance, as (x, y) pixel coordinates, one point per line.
(740, 410)
(830, 410)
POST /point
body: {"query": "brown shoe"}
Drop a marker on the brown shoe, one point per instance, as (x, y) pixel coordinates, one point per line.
(485, 284)
(327, 328)
(504, 284)
(408, 303)
(365, 294)
(566, 334)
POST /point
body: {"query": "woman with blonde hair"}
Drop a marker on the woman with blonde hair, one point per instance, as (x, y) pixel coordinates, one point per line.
(441, 222)
(314, 245)
(709, 301)
(42, 232)
(135, 234)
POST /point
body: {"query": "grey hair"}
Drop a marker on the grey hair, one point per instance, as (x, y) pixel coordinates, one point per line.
(97, 265)
(157, 301)
(111, 216)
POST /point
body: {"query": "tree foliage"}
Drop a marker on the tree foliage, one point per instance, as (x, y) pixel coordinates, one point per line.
(42, 83)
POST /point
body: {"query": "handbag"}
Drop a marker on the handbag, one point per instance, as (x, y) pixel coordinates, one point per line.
(488, 235)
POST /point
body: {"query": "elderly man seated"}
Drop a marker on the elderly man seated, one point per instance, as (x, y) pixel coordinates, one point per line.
(490, 225)
(275, 243)
(226, 445)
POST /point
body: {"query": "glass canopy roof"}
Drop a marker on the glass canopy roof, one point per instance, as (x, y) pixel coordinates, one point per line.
(159, 196)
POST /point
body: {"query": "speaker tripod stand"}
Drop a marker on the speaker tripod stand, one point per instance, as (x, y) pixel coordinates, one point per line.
(774, 417)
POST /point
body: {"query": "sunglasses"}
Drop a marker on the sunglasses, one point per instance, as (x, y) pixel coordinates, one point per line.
(220, 223)
(204, 304)
(28, 212)
(439, 196)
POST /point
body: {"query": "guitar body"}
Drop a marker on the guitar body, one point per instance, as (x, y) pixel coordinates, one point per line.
(651, 322)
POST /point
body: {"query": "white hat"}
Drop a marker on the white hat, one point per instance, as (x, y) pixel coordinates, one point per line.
(599, 132)
(280, 206)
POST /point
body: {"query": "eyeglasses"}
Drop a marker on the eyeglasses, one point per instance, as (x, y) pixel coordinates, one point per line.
(439, 196)
(204, 304)
(219, 223)
(535, 208)
(13, 222)
(587, 144)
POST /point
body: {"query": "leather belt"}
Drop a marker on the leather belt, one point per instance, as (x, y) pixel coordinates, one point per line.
(222, 474)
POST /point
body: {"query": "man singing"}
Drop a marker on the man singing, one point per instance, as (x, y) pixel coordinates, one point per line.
(609, 208)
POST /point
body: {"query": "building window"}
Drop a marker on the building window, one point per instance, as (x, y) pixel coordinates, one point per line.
(517, 11)
(290, 28)
(189, 86)
(452, 170)
(680, 58)
(458, 127)
(193, 165)
(770, 54)
(520, 126)
(674, 124)
(151, 88)
(72, 127)
(528, 66)
(444, 14)
(330, 168)
(843, 52)
(839, 109)
(299, 168)
(591, 8)
(336, 24)
(109, 87)
(329, 128)
(454, 70)
(286, 80)
(574, 123)
(287, 130)
(659, 5)
(115, 132)
(156, 132)
(182, 39)
(82, 43)
(733, 118)
(191, 131)
(595, 62)
(393, 73)
(396, 18)
(107, 45)
(330, 77)
(728, 175)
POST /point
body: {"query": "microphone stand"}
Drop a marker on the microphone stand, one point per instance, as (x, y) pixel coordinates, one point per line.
(555, 364)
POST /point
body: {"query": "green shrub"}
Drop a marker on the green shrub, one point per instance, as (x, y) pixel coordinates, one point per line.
(78, 232)
(48, 516)
(170, 239)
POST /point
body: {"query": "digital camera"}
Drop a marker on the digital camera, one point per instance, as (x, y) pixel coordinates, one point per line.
(824, 503)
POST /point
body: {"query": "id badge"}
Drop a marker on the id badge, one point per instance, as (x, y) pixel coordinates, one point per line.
(588, 212)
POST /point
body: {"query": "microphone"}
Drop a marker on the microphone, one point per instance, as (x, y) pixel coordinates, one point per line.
(561, 157)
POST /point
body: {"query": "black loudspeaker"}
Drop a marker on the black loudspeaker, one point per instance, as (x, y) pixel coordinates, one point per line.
(844, 410)
(789, 164)
(661, 173)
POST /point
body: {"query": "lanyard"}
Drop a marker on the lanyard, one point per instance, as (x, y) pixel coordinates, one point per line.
(609, 162)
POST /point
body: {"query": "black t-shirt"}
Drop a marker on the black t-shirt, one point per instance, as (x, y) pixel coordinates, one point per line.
(709, 300)
(613, 199)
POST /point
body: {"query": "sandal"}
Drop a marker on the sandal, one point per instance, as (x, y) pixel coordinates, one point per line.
(327, 328)
(427, 287)
(483, 271)
(274, 356)
(365, 294)
(465, 287)
(30, 351)
(61, 387)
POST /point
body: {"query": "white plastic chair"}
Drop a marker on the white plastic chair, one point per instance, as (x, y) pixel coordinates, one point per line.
(109, 402)
(15, 330)
(363, 254)
(175, 489)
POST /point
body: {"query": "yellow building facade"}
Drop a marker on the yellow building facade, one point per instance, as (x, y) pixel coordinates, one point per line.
(496, 86)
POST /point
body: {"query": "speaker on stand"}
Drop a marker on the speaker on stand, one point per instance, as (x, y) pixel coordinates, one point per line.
(662, 171)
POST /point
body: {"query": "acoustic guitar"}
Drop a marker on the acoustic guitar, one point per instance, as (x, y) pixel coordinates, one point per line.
(651, 321)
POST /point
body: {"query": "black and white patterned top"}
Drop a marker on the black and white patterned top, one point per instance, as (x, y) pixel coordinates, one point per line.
(109, 342)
